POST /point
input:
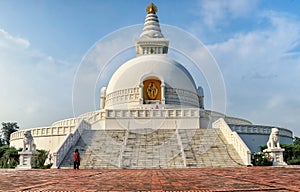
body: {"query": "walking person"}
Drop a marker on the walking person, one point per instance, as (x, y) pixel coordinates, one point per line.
(76, 159)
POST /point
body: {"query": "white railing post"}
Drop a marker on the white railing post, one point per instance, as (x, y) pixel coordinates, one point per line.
(55, 157)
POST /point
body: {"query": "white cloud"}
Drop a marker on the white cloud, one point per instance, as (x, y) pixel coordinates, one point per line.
(7, 41)
(263, 49)
(261, 72)
(215, 12)
(275, 102)
(36, 89)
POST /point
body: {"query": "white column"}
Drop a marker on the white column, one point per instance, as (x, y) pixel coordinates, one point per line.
(141, 87)
(163, 93)
(102, 97)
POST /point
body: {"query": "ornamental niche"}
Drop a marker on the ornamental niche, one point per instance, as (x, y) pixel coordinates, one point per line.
(152, 89)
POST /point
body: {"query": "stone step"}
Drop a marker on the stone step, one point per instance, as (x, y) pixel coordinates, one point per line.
(148, 148)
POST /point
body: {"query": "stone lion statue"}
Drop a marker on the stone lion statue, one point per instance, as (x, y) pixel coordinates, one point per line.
(28, 141)
(273, 141)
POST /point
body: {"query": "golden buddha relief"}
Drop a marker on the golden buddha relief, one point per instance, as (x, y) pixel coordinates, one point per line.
(152, 90)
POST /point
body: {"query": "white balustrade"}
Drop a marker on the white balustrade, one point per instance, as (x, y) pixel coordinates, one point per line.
(69, 142)
(43, 131)
(149, 113)
(66, 122)
(91, 117)
(234, 139)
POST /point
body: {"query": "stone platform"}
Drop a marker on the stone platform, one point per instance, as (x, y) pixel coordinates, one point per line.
(189, 179)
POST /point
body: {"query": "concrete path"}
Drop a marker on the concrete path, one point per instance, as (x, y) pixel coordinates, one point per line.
(195, 179)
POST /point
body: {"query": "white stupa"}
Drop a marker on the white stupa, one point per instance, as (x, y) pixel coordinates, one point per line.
(152, 115)
(153, 81)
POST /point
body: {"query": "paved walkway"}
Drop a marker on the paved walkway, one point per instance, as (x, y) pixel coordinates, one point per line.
(195, 179)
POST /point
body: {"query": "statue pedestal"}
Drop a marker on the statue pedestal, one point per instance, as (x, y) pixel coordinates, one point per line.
(277, 155)
(26, 159)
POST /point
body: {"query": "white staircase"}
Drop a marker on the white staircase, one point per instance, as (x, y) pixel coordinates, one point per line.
(148, 148)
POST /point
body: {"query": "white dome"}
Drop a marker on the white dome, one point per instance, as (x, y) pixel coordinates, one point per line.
(128, 85)
(133, 72)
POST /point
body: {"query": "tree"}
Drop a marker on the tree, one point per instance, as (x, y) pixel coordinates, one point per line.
(296, 141)
(7, 129)
(9, 157)
(1, 140)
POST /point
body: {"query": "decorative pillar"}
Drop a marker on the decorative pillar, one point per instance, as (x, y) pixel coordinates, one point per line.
(163, 100)
(102, 97)
(274, 149)
(200, 97)
(141, 90)
(201, 102)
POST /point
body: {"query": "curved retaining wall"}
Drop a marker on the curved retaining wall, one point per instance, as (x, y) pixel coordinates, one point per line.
(47, 138)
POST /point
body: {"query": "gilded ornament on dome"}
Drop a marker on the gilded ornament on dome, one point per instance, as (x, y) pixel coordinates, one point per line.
(151, 8)
(152, 90)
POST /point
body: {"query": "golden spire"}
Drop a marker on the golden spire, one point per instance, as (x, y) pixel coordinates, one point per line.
(151, 8)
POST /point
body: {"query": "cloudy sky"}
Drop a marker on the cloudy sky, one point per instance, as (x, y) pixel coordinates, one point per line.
(255, 43)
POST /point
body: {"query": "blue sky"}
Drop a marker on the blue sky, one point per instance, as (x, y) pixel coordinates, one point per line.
(255, 43)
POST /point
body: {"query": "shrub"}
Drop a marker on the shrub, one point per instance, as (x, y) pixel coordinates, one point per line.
(9, 157)
(40, 159)
(261, 159)
(3, 149)
(293, 162)
(288, 153)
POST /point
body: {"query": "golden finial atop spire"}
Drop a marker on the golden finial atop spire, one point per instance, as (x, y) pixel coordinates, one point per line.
(151, 8)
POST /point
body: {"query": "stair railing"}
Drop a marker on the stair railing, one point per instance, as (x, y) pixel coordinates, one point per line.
(123, 148)
(235, 140)
(181, 146)
(70, 140)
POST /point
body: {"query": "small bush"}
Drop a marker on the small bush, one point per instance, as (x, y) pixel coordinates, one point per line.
(9, 157)
(40, 159)
(261, 159)
(293, 162)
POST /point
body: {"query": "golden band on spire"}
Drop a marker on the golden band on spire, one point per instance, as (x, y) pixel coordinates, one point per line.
(151, 8)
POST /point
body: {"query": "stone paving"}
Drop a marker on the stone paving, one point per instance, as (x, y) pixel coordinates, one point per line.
(189, 179)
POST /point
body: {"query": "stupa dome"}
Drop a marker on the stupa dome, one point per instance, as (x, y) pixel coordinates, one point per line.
(135, 71)
(168, 73)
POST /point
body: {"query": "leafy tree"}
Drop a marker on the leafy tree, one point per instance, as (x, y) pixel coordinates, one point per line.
(1, 140)
(289, 151)
(7, 129)
(2, 150)
(9, 157)
(296, 141)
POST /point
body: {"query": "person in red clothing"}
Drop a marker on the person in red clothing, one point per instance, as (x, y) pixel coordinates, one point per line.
(76, 159)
